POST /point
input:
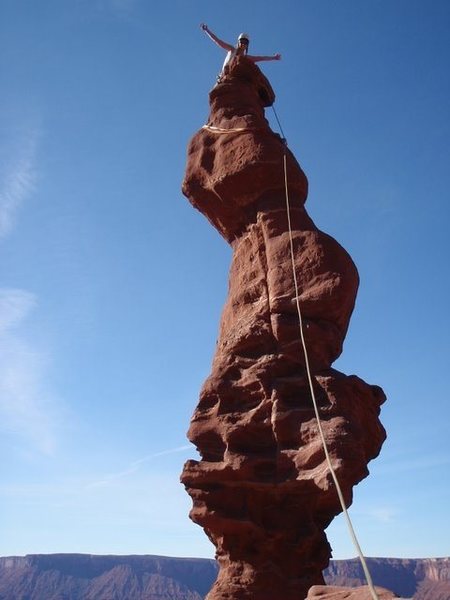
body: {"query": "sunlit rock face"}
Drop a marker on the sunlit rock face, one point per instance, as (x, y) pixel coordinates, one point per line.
(262, 490)
(324, 592)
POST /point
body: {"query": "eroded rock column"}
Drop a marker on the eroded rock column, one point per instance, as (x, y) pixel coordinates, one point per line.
(262, 490)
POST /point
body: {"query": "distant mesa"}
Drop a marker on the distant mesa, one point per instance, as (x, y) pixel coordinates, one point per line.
(88, 577)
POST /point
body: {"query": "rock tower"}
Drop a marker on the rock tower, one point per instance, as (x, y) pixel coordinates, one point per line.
(262, 490)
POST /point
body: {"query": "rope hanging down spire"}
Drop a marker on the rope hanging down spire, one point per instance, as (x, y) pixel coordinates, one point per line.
(311, 387)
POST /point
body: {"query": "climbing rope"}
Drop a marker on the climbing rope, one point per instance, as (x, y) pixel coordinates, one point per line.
(313, 396)
(214, 129)
(279, 124)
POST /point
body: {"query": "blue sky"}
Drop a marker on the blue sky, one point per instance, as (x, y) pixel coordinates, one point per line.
(112, 285)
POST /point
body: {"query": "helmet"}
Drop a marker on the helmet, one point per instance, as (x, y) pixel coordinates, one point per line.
(244, 36)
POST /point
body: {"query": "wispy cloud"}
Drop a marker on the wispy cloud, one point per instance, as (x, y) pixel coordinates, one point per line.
(383, 514)
(135, 466)
(27, 410)
(14, 307)
(17, 180)
(88, 484)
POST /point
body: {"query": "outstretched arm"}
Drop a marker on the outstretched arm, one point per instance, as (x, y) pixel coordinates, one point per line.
(215, 39)
(261, 58)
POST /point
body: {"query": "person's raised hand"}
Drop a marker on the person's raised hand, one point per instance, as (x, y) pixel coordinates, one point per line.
(204, 26)
(277, 56)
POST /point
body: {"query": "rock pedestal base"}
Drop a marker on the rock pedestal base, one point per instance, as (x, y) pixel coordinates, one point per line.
(328, 592)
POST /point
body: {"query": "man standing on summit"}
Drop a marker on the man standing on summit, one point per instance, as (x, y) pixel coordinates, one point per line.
(240, 49)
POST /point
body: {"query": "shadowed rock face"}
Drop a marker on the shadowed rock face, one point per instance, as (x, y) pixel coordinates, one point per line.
(262, 490)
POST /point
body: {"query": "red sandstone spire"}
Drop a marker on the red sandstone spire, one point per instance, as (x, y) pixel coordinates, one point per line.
(262, 490)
